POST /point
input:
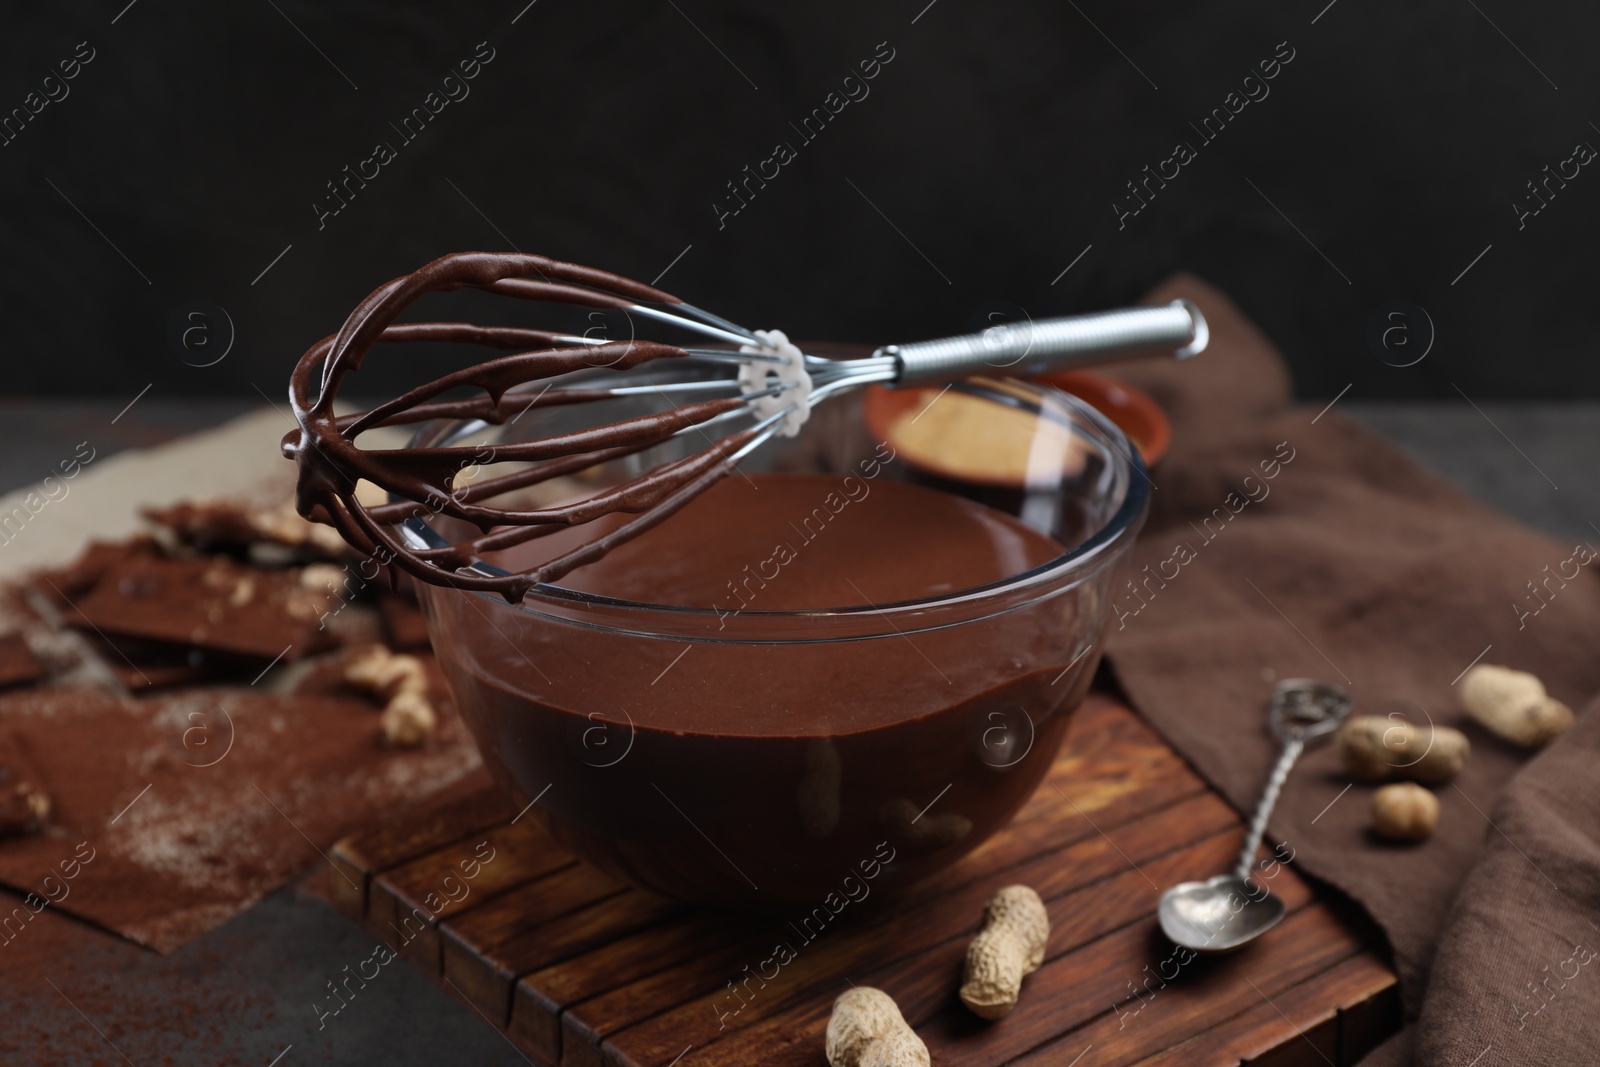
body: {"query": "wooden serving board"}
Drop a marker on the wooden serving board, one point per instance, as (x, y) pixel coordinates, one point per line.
(579, 970)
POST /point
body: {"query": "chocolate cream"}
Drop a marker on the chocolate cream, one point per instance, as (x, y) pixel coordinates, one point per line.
(712, 761)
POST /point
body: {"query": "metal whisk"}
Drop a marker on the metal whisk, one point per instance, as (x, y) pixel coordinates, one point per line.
(757, 378)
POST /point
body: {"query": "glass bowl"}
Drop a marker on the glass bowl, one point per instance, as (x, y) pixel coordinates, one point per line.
(855, 749)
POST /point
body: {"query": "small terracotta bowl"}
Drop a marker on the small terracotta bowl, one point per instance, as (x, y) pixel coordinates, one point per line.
(1131, 409)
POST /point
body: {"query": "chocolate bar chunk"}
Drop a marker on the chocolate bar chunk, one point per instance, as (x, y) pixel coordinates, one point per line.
(24, 803)
(146, 665)
(85, 572)
(215, 604)
(232, 525)
(209, 524)
(403, 622)
(18, 664)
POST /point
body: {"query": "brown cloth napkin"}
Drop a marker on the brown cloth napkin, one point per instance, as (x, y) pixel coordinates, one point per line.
(1286, 542)
(1518, 969)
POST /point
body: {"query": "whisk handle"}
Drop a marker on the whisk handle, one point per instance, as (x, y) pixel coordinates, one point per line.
(1053, 344)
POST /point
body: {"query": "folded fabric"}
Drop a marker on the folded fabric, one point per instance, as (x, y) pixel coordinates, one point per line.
(1290, 542)
(1518, 966)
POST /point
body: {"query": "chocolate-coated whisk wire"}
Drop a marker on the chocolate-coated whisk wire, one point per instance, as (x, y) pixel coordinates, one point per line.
(774, 386)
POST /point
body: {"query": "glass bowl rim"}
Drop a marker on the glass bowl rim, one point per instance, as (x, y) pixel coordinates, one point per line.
(1081, 557)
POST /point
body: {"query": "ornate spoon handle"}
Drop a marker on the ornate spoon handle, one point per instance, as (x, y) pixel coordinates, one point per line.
(1292, 747)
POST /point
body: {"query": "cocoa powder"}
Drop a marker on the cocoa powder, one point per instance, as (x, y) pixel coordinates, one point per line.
(197, 798)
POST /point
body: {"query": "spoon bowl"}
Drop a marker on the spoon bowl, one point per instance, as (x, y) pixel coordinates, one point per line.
(1219, 914)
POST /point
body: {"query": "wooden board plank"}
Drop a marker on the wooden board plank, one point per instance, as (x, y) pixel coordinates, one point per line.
(470, 940)
(925, 985)
(413, 898)
(1315, 1008)
(581, 971)
(1371, 1017)
(1308, 942)
(902, 935)
(363, 855)
(541, 998)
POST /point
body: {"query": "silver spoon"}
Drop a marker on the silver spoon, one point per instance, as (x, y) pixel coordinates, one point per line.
(1223, 913)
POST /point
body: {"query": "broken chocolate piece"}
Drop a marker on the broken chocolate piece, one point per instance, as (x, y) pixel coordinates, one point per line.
(403, 622)
(18, 664)
(24, 802)
(215, 604)
(236, 526)
(62, 586)
(146, 665)
(207, 525)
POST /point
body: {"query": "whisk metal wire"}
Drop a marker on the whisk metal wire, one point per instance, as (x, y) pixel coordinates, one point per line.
(421, 480)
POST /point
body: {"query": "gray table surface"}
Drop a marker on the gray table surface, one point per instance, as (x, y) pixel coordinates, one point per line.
(1535, 461)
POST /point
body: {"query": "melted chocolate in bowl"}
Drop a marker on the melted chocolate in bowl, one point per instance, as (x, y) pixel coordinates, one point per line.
(753, 744)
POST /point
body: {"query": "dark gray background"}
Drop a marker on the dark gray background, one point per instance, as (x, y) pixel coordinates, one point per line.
(1386, 159)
